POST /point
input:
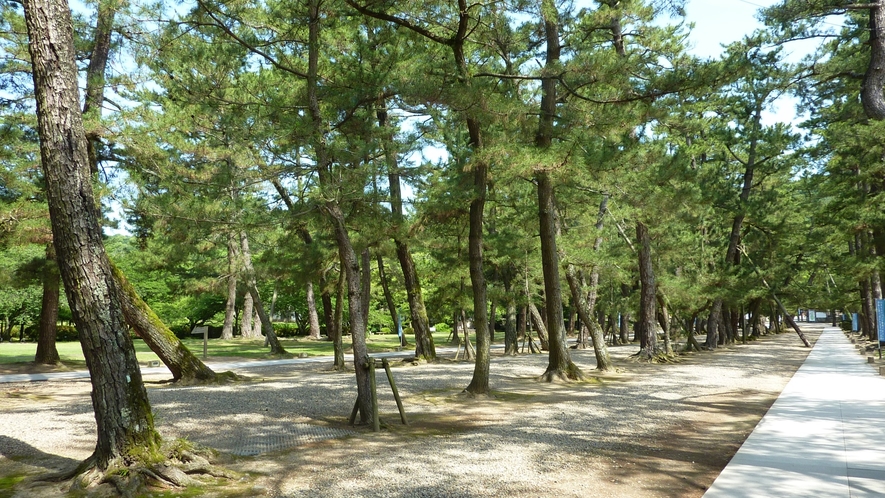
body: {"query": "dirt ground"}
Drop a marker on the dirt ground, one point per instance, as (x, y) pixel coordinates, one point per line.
(675, 453)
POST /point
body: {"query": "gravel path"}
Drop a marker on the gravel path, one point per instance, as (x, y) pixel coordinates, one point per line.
(648, 430)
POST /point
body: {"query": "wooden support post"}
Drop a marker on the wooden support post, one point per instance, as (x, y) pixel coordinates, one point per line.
(399, 402)
(356, 408)
(376, 422)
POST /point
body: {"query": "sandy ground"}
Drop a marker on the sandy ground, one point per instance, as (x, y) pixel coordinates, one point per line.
(647, 430)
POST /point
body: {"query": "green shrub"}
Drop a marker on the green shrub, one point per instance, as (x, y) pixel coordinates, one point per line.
(443, 328)
(65, 333)
(288, 329)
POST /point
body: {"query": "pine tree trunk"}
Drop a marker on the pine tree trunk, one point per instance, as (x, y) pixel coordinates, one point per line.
(424, 346)
(312, 314)
(664, 320)
(328, 309)
(540, 327)
(388, 298)
(510, 326)
(47, 353)
(585, 312)
(366, 283)
(338, 321)
(624, 328)
(713, 321)
(181, 362)
(122, 410)
(230, 308)
(246, 321)
(266, 325)
(648, 337)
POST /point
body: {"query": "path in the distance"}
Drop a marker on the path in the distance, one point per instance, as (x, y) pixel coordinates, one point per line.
(823, 437)
(216, 366)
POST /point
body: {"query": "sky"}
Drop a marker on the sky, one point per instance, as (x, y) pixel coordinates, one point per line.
(721, 21)
(717, 22)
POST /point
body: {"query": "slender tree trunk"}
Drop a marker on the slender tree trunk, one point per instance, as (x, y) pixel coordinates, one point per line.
(246, 317)
(312, 314)
(230, 306)
(366, 283)
(47, 353)
(648, 343)
(388, 298)
(328, 309)
(540, 327)
(338, 338)
(424, 347)
(664, 320)
(624, 328)
(585, 312)
(510, 326)
(122, 409)
(95, 78)
(712, 340)
(560, 365)
(249, 274)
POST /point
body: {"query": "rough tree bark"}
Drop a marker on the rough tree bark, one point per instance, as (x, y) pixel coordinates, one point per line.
(184, 365)
(648, 337)
(122, 410)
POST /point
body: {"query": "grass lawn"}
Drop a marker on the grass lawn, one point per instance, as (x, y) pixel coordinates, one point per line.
(72, 355)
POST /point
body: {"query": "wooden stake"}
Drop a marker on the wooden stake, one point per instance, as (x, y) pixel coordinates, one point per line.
(399, 402)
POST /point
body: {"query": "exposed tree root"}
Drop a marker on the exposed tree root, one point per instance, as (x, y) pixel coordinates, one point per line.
(659, 356)
(176, 466)
(571, 373)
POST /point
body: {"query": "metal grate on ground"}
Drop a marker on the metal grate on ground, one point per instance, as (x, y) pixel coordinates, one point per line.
(289, 436)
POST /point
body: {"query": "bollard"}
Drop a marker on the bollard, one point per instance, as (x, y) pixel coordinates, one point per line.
(871, 359)
(881, 370)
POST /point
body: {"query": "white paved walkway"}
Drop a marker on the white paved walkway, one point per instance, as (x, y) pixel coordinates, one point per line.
(823, 437)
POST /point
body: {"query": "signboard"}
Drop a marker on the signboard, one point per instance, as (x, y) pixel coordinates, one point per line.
(812, 316)
(880, 318)
(855, 326)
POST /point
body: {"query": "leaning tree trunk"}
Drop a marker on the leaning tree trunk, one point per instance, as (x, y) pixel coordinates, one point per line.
(47, 353)
(122, 409)
(388, 299)
(184, 365)
(585, 312)
(540, 327)
(424, 346)
(351, 268)
(648, 337)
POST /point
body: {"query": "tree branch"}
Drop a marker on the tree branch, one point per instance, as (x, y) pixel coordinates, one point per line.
(253, 49)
